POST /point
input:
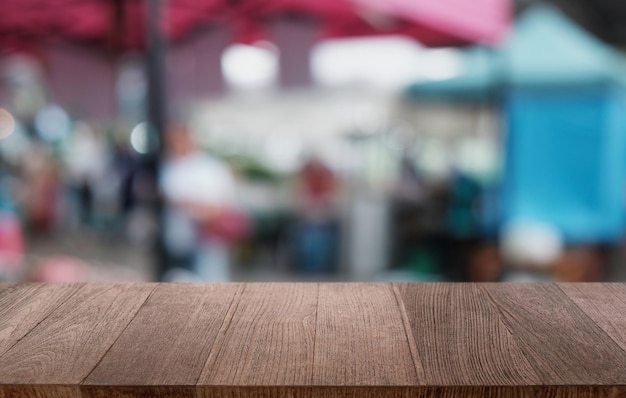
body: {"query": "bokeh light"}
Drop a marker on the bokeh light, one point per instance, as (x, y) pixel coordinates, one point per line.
(139, 138)
(250, 66)
(7, 124)
(52, 123)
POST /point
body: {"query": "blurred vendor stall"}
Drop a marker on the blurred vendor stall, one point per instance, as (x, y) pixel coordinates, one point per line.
(563, 101)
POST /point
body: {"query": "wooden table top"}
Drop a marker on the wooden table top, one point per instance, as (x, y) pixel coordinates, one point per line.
(315, 339)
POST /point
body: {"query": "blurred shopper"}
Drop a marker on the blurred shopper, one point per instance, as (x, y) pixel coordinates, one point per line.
(407, 208)
(409, 187)
(581, 263)
(200, 219)
(122, 170)
(11, 242)
(85, 158)
(40, 189)
(316, 235)
(125, 165)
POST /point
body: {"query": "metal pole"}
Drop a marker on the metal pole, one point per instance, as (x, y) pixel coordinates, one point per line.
(156, 118)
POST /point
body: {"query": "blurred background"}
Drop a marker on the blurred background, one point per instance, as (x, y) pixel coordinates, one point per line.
(301, 140)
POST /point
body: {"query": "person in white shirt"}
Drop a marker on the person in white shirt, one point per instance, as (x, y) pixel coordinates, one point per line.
(198, 189)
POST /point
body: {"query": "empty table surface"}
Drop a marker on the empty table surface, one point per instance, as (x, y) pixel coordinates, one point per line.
(312, 339)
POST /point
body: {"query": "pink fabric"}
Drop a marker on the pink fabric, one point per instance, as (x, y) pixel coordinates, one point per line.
(11, 241)
(481, 21)
(60, 269)
(433, 22)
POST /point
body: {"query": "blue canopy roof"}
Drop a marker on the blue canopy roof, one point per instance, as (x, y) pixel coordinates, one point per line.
(544, 49)
(474, 83)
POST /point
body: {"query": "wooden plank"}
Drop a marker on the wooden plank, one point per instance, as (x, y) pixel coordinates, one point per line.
(22, 307)
(605, 303)
(560, 341)
(460, 337)
(330, 392)
(421, 392)
(361, 338)
(322, 340)
(135, 391)
(267, 340)
(62, 349)
(26, 391)
(166, 344)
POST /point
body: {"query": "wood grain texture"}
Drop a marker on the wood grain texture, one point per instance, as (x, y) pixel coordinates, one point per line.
(268, 338)
(166, 344)
(460, 337)
(22, 307)
(361, 338)
(65, 346)
(328, 392)
(39, 391)
(313, 340)
(136, 391)
(560, 341)
(604, 303)
(418, 392)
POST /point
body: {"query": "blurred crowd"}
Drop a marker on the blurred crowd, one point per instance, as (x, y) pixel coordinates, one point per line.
(474, 165)
(93, 183)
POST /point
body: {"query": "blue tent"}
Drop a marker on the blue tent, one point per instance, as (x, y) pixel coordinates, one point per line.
(474, 83)
(547, 49)
(565, 136)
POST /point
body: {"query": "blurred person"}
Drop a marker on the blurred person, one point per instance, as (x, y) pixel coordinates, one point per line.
(317, 189)
(117, 190)
(40, 189)
(11, 242)
(407, 207)
(316, 234)
(409, 187)
(581, 263)
(125, 165)
(86, 158)
(200, 217)
(461, 215)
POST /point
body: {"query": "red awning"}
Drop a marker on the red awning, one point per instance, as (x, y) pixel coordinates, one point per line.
(120, 24)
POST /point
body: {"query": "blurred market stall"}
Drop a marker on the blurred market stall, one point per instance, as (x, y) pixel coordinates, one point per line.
(77, 87)
(561, 93)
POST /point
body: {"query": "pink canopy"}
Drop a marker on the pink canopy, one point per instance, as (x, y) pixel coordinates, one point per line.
(480, 21)
(120, 24)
